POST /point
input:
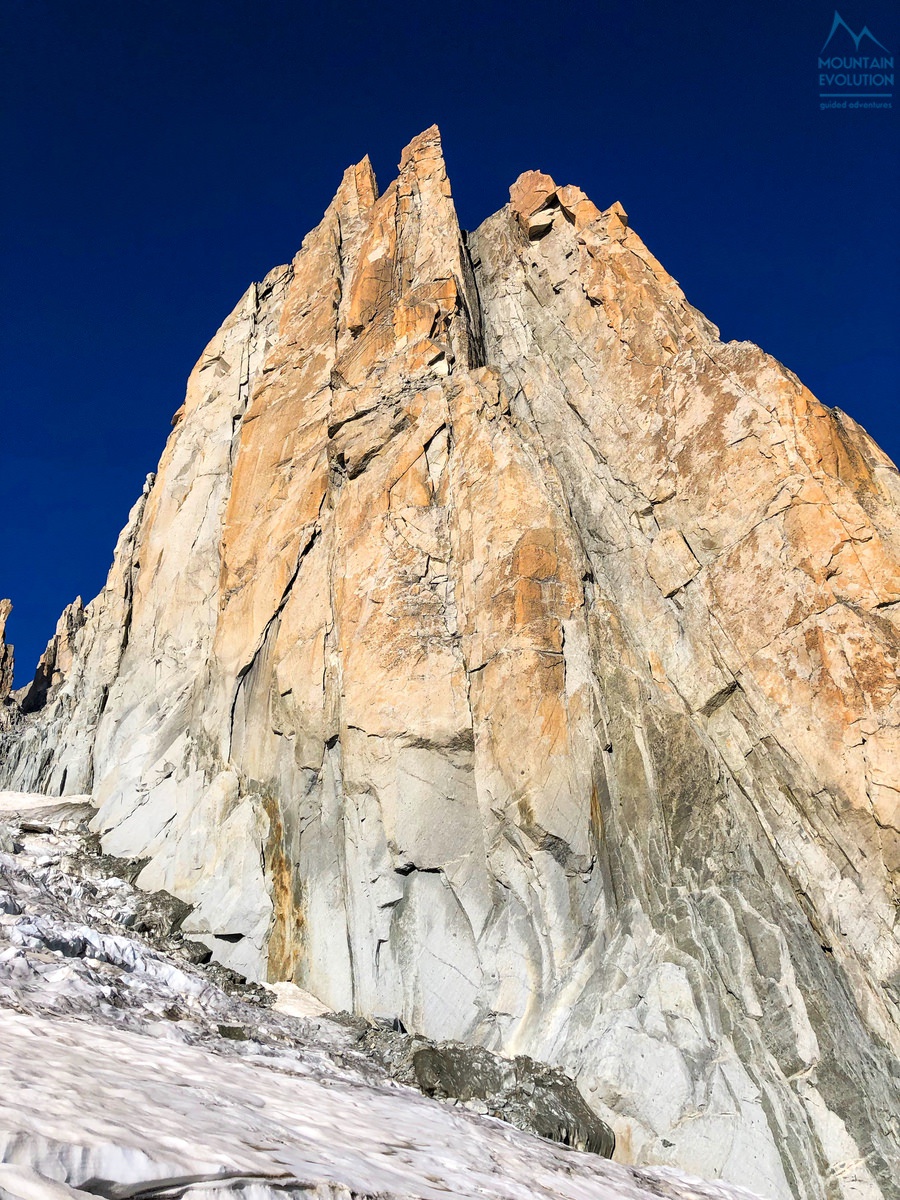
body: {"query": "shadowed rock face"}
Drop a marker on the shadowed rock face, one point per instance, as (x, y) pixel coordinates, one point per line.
(498, 648)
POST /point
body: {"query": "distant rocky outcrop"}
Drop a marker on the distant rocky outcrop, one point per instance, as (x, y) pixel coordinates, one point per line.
(56, 661)
(6, 653)
(497, 648)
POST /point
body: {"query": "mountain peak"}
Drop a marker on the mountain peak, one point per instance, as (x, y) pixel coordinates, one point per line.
(424, 147)
(497, 650)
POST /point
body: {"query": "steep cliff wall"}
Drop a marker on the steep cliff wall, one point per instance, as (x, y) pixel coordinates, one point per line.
(497, 648)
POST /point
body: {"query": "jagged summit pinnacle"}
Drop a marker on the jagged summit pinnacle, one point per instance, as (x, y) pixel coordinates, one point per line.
(422, 156)
(424, 146)
(497, 649)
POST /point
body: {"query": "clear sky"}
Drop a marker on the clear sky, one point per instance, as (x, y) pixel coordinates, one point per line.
(159, 155)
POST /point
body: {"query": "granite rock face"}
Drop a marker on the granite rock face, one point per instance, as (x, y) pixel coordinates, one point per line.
(498, 649)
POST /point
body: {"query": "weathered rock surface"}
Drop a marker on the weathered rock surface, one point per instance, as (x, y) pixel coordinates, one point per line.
(497, 648)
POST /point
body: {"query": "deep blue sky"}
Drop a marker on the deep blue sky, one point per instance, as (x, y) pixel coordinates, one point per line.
(158, 155)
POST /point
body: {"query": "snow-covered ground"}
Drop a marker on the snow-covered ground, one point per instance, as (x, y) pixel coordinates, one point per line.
(127, 1071)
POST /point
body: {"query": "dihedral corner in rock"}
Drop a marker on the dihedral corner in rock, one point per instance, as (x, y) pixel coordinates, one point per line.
(497, 648)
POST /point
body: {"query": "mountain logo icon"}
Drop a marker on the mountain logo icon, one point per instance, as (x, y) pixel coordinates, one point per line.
(840, 23)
